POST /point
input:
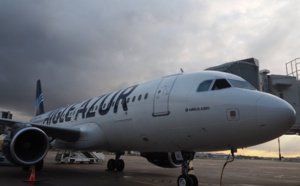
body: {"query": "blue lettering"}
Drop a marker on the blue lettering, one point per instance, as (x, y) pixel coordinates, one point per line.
(68, 118)
(123, 97)
(82, 110)
(91, 113)
(105, 111)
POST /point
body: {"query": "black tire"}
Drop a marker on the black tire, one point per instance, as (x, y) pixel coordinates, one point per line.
(120, 165)
(184, 180)
(111, 165)
(195, 180)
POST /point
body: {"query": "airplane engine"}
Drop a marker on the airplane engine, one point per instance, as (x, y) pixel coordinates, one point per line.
(162, 159)
(25, 146)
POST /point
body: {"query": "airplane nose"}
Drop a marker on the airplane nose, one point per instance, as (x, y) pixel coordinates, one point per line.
(275, 114)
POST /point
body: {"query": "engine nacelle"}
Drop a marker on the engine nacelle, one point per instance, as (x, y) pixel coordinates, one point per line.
(162, 159)
(26, 146)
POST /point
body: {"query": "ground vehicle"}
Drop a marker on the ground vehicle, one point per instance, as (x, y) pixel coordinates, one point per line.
(73, 157)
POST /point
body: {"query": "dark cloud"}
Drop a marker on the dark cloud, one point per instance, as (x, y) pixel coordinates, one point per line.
(78, 49)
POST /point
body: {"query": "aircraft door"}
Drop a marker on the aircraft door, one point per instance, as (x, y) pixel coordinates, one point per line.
(162, 94)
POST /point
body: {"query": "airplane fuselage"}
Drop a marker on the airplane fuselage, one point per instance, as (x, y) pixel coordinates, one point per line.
(182, 112)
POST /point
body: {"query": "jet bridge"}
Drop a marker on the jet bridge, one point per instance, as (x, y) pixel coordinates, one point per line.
(286, 87)
(245, 68)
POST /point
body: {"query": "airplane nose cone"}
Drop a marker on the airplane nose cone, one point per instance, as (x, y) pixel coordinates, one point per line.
(275, 114)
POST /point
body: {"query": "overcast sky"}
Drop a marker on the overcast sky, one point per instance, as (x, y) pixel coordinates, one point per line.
(82, 49)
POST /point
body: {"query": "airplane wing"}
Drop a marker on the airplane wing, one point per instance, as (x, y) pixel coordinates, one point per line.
(63, 133)
(11, 123)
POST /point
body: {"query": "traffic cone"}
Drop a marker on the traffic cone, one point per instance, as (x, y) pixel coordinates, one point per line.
(32, 175)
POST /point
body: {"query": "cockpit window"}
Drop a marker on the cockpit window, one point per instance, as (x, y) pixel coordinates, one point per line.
(241, 84)
(221, 84)
(204, 86)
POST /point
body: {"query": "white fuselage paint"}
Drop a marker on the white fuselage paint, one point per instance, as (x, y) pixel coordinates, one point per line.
(168, 115)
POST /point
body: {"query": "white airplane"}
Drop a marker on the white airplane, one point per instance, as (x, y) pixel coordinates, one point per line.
(167, 120)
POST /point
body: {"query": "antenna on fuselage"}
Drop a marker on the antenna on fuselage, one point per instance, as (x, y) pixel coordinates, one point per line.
(181, 70)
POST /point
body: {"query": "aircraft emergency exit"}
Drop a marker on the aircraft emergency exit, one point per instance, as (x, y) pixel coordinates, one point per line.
(167, 120)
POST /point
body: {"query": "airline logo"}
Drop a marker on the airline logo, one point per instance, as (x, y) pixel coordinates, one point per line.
(38, 101)
(88, 109)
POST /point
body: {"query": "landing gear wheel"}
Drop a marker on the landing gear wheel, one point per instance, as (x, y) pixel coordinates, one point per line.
(116, 164)
(194, 178)
(111, 165)
(120, 165)
(185, 180)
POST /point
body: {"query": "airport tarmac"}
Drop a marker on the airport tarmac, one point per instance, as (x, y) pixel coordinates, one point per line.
(139, 172)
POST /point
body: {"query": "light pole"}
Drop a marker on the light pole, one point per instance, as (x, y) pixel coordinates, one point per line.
(279, 149)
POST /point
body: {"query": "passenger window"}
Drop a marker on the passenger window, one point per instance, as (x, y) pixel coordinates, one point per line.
(204, 86)
(146, 96)
(140, 96)
(133, 99)
(220, 84)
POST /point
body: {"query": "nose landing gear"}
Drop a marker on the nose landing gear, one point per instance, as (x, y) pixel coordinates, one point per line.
(186, 178)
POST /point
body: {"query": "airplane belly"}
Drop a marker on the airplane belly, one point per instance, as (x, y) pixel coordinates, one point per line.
(126, 133)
